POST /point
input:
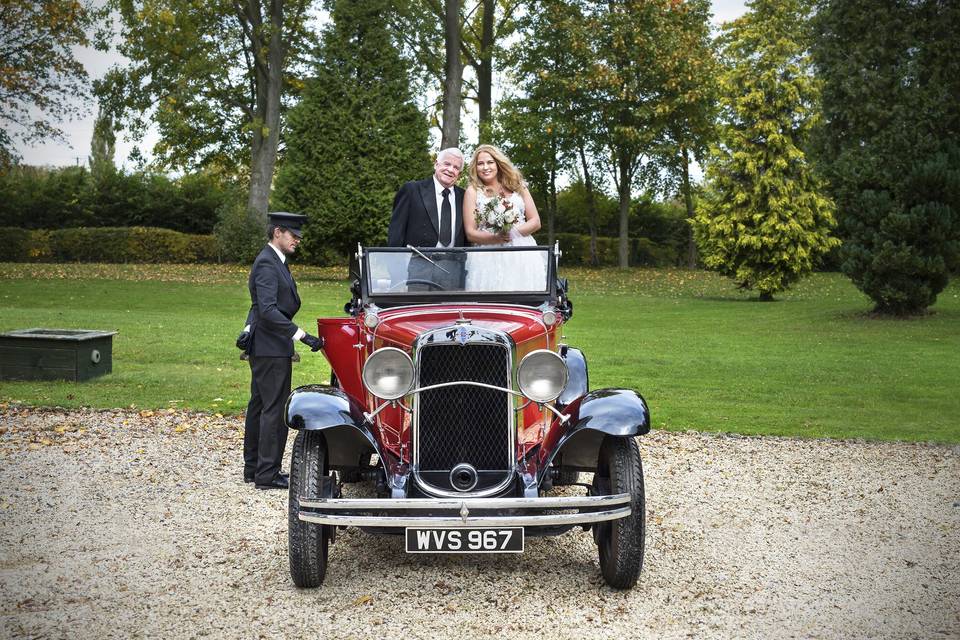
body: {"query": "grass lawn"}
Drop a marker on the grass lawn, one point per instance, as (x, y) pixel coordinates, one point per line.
(704, 355)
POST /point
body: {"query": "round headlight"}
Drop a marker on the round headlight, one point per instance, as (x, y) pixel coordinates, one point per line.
(542, 375)
(549, 316)
(388, 373)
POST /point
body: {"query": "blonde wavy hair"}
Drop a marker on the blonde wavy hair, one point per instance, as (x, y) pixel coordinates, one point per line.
(508, 175)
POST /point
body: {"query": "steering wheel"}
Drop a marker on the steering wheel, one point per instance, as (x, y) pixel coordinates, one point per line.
(430, 283)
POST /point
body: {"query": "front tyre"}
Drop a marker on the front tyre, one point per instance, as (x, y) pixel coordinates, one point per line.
(307, 542)
(620, 542)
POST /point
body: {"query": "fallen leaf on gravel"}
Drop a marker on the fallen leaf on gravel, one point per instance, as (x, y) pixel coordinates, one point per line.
(363, 600)
(146, 414)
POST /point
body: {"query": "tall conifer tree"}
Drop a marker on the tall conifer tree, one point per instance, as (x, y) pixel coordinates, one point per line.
(765, 220)
(355, 137)
(891, 143)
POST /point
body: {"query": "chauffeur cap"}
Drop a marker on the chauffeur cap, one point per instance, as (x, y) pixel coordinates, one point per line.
(291, 221)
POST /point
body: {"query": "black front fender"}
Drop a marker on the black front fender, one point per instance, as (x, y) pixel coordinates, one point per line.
(318, 407)
(603, 412)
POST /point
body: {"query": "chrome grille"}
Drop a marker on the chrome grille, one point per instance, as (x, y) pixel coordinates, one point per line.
(464, 423)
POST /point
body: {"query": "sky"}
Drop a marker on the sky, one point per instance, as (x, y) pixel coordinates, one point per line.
(79, 131)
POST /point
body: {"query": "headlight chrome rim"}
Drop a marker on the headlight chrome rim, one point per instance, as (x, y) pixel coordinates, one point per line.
(388, 373)
(542, 376)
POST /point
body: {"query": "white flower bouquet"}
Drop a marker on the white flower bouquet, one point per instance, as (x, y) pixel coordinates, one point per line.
(497, 215)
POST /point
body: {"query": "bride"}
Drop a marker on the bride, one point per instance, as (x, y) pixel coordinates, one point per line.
(496, 185)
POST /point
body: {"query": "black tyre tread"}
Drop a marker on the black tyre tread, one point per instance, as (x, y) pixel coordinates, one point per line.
(307, 542)
(568, 477)
(622, 561)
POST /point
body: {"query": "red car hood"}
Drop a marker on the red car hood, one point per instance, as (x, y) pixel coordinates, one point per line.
(400, 327)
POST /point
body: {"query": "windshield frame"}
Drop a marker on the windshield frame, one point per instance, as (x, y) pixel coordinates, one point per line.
(531, 299)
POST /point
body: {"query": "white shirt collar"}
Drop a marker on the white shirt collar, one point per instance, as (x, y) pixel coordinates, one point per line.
(438, 188)
(283, 258)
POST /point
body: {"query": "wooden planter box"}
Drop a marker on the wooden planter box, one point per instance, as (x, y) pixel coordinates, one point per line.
(53, 354)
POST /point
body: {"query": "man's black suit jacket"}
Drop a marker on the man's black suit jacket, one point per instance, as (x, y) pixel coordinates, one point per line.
(274, 302)
(415, 218)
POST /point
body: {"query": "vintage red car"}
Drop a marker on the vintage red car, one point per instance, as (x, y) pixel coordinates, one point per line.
(454, 395)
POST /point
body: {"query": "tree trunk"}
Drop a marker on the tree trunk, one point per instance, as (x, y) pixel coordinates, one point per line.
(688, 200)
(454, 77)
(266, 119)
(485, 69)
(591, 205)
(552, 206)
(623, 189)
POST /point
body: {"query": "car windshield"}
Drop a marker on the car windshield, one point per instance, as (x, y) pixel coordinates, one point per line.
(459, 273)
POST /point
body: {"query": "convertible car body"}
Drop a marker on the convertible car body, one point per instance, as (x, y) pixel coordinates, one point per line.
(454, 394)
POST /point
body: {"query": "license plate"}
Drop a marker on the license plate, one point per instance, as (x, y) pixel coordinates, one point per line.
(480, 540)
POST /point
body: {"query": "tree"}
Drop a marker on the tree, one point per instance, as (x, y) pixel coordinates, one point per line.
(536, 127)
(765, 220)
(211, 76)
(453, 75)
(467, 34)
(692, 94)
(102, 146)
(355, 137)
(41, 79)
(891, 105)
(642, 48)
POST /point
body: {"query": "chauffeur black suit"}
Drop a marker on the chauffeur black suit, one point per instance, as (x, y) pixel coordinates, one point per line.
(274, 302)
(415, 219)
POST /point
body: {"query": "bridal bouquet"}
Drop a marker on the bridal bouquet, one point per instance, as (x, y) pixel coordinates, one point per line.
(496, 214)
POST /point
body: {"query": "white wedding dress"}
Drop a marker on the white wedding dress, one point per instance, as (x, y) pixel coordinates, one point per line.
(509, 270)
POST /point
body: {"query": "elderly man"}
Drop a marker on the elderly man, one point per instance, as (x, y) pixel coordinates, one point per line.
(429, 213)
(268, 340)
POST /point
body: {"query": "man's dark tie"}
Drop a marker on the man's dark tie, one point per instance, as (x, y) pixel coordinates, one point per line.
(445, 238)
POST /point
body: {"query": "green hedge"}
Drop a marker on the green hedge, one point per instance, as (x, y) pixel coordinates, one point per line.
(643, 251)
(106, 244)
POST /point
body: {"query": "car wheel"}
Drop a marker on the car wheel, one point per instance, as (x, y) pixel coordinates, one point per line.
(307, 542)
(567, 477)
(620, 542)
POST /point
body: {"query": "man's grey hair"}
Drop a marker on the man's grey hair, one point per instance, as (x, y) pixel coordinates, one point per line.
(450, 151)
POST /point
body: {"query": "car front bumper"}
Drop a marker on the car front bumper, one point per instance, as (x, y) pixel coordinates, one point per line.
(467, 512)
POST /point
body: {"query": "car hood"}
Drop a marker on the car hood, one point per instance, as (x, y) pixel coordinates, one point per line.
(400, 327)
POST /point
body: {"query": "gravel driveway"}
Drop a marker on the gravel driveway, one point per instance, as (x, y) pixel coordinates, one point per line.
(117, 524)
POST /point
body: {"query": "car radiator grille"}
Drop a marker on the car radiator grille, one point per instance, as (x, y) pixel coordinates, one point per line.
(464, 423)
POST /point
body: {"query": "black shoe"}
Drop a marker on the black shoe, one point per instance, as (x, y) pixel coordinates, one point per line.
(278, 482)
(249, 477)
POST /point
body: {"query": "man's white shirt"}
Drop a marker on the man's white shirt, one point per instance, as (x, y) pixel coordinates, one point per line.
(438, 190)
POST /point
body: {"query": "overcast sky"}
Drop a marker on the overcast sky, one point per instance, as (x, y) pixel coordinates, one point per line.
(96, 63)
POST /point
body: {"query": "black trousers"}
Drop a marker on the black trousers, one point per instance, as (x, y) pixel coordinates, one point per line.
(265, 433)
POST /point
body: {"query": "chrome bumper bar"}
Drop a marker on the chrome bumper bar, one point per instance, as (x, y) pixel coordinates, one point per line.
(468, 512)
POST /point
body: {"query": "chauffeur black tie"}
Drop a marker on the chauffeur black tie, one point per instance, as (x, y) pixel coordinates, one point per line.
(445, 219)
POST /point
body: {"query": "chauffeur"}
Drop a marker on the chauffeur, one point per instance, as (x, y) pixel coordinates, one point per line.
(268, 340)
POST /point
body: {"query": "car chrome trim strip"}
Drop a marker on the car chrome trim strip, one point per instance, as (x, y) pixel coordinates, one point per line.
(456, 521)
(562, 416)
(469, 521)
(555, 502)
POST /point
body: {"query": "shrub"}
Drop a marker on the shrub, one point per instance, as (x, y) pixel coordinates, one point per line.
(24, 245)
(106, 244)
(642, 251)
(239, 237)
